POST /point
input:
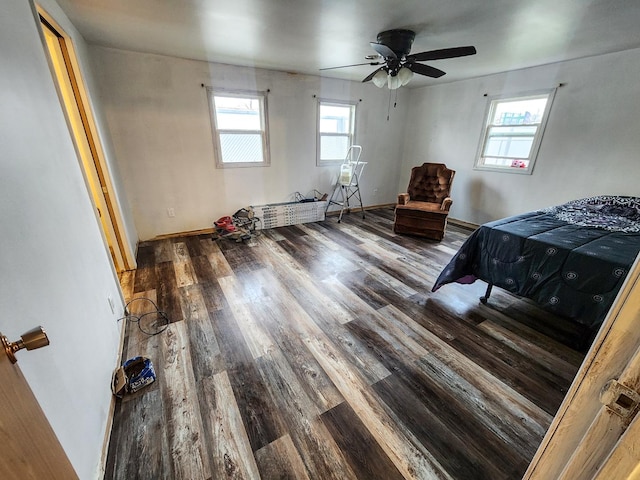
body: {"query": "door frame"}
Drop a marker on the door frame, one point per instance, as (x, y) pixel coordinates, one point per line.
(124, 258)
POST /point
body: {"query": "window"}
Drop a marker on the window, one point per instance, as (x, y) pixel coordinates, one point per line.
(239, 128)
(336, 122)
(513, 132)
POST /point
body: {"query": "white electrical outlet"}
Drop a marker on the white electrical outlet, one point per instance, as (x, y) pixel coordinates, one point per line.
(111, 304)
(171, 212)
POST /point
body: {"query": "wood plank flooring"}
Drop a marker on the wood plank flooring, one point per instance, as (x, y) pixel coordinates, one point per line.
(318, 352)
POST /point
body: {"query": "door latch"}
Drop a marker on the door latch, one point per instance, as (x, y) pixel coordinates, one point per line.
(620, 399)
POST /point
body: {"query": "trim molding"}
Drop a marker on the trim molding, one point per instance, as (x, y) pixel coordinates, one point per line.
(370, 207)
(183, 234)
(463, 224)
(211, 230)
(454, 221)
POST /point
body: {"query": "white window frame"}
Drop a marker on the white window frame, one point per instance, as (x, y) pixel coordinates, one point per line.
(492, 103)
(264, 131)
(351, 135)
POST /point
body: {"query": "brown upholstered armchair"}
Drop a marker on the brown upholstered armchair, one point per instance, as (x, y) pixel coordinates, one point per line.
(424, 209)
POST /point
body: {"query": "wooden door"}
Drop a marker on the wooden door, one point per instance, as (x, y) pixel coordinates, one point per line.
(624, 460)
(29, 449)
(588, 440)
(602, 453)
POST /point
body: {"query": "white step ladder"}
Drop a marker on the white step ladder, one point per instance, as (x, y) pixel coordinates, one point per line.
(348, 181)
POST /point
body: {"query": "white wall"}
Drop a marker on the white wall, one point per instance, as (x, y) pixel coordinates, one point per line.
(158, 117)
(590, 146)
(56, 270)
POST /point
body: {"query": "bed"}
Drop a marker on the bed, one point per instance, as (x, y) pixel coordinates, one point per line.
(571, 259)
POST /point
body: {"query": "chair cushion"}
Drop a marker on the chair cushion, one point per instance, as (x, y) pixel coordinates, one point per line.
(421, 207)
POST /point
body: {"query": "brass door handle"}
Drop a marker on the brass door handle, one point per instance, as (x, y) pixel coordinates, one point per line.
(34, 338)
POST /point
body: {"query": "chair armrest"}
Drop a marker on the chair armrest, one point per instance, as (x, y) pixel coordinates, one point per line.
(403, 198)
(446, 204)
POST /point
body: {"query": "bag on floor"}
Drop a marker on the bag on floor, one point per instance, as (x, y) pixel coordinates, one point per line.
(135, 374)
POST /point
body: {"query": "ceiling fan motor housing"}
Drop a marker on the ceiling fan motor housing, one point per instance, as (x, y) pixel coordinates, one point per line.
(398, 40)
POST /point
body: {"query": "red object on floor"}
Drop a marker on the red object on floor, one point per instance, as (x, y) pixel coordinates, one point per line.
(224, 221)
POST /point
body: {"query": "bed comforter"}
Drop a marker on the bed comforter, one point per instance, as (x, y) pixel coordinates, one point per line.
(571, 259)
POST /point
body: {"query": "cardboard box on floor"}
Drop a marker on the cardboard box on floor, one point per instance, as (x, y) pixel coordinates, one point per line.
(135, 374)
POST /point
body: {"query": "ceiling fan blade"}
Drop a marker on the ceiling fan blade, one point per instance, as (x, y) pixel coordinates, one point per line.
(442, 54)
(354, 65)
(383, 50)
(372, 74)
(425, 70)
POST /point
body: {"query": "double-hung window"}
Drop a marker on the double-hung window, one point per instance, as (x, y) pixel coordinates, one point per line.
(513, 132)
(336, 127)
(240, 132)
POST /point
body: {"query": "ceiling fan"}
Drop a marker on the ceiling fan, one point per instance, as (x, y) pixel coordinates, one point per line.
(393, 49)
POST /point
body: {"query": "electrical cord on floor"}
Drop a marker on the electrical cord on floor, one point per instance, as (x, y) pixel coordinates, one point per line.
(151, 327)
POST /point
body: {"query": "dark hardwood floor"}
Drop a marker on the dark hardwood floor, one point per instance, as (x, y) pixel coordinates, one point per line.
(318, 352)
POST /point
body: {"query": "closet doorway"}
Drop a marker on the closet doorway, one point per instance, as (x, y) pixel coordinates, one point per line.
(83, 131)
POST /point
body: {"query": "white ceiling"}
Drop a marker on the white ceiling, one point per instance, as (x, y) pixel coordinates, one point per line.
(303, 36)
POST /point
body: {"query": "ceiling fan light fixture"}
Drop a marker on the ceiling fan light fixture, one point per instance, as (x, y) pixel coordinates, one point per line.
(380, 79)
(405, 75)
(394, 82)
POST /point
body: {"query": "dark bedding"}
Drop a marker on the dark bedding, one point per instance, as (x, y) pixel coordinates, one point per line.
(571, 259)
